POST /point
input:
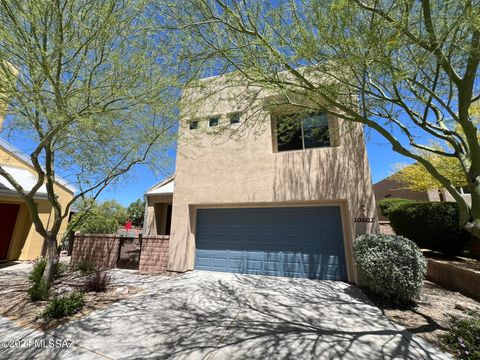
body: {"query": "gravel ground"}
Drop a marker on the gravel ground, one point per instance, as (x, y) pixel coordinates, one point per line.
(15, 303)
(428, 318)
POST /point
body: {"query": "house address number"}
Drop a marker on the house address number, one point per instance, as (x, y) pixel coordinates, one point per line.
(363, 219)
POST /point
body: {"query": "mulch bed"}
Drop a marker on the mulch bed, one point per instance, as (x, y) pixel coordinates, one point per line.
(428, 317)
(15, 303)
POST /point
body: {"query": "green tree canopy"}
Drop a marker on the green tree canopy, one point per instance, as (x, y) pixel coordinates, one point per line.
(136, 212)
(97, 218)
(93, 91)
(407, 69)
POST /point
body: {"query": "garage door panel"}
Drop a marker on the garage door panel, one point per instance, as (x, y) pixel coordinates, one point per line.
(296, 241)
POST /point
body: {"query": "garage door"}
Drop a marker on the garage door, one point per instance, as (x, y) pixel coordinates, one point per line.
(289, 241)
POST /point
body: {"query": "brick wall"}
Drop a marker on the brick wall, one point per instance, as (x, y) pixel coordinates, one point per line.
(101, 249)
(154, 254)
(385, 228)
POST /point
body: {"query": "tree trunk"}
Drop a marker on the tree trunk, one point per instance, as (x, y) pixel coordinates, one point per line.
(52, 259)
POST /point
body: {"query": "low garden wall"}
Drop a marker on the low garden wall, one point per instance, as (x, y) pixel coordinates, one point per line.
(101, 249)
(154, 254)
(104, 251)
(454, 276)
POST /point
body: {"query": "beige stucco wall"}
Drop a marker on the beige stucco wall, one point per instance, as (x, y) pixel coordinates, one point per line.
(26, 243)
(155, 214)
(241, 168)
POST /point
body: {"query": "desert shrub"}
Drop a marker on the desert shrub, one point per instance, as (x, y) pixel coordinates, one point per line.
(39, 290)
(60, 270)
(62, 306)
(431, 225)
(463, 336)
(98, 281)
(38, 268)
(390, 266)
(86, 267)
(387, 205)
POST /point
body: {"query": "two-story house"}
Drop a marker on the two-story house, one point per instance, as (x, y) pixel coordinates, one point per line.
(246, 198)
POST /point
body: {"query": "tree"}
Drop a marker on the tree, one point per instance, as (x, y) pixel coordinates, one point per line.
(92, 90)
(115, 210)
(136, 212)
(407, 69)
(415, 177)
(98, 218)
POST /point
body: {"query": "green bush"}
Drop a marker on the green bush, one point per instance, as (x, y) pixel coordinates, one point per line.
(38, 268)
(62, 306)
(463, 336)
(39, 290)
(386, 205)
(431, 225)
(390, 266)
(60, 270)
(86, 267)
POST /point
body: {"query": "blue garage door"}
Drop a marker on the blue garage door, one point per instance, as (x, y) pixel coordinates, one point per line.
(289, 241)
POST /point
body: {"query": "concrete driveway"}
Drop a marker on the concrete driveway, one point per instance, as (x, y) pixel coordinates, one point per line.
(205, 315)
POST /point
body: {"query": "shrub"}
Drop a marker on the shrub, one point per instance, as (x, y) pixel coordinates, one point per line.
(86, 267)
(39, 290)
(61, 306)
(38, 268)
(387, 205)
(98, 281)
(390, 266)
(463, 336)
(60, 270)
(431, 225)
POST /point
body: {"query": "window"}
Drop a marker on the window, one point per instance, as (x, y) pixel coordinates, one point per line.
(192, 125)
(234, 119)
(213, 122)
(296, 132)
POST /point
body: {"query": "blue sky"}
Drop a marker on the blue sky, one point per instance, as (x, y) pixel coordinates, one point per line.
(380, 155)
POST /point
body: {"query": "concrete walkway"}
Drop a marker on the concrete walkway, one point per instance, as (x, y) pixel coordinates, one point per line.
(204, 315)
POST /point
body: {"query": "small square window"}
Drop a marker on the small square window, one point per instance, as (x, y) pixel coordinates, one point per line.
(192, 125)
(234, 119)
(213, 122)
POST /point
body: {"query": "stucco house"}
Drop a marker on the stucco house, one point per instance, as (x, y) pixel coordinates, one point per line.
(18, 237)
(257, 202)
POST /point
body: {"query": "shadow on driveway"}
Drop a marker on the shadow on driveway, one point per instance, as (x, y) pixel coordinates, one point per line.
(204, 315)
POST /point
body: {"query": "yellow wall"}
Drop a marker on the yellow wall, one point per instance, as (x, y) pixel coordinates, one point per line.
(26, 243)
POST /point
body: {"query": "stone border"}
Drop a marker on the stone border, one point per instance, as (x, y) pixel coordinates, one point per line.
(454, 277)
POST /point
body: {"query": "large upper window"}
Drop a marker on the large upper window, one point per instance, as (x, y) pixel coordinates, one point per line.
(297, 132)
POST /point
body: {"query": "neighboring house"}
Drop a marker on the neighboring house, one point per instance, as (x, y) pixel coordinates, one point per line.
(393, 188)
(18, 238)
(259, 203)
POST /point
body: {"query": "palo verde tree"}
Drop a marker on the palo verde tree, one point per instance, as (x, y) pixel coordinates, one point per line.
(408, 69)
(416, 178)
(89, 85)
